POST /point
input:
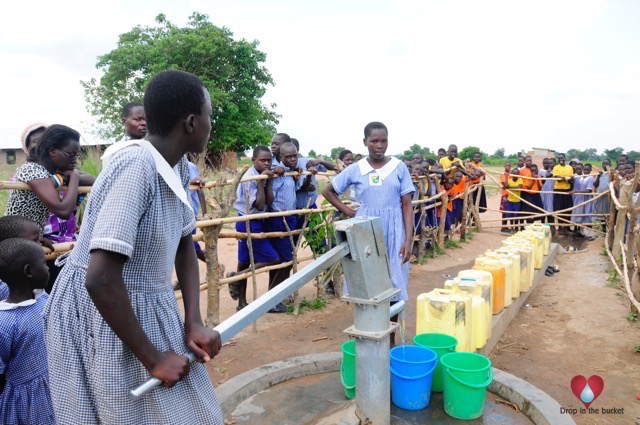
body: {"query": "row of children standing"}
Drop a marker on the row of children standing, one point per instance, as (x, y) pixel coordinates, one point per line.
(276, 192)
(558, 187)
(452, 182)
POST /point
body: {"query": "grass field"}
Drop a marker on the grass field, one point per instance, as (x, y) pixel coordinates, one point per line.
(6, 171)
(491, 190)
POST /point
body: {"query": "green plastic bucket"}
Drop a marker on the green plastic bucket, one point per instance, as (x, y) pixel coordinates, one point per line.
(348, 368)
(442, 344)
(466, 377)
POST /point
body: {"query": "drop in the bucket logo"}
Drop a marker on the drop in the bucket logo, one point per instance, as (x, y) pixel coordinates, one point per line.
(587, 390)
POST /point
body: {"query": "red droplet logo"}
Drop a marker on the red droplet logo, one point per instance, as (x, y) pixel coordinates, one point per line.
(587, 390)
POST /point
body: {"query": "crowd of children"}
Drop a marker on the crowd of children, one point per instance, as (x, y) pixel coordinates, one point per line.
(564, 189)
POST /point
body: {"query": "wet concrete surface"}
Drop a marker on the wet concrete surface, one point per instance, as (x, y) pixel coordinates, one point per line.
(309, 399)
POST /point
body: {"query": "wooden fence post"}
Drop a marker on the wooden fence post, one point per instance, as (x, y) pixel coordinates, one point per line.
(632, 238)
(611, 221)
(465, 207)
(215, 271)
(220, 203)
(626, 194)
(443, 218)
(422, 241)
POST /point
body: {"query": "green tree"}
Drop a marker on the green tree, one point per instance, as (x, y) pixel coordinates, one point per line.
(467, 153)
(313, 154)
(232, 70)
(633, 156)
(613, 154)
(414, 149)
(590, 154)
(336, 151)
(498, 154)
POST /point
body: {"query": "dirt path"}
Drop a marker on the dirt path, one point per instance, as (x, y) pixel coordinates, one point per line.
(573, 324)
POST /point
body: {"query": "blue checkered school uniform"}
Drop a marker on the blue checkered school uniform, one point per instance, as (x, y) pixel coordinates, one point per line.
(23, 359)
(582, 183)
(284, 199)
(263, 251)
(131, 211)
(4, 291)
(547, 186)
(275, 162)
(308, 198)
(382, 199)
(193, 198)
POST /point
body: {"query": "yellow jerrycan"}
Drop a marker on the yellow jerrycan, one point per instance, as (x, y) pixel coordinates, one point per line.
(508, 273)
(447, 312)
(480, 308)
(517, 269)
(483, 280)
(526, 250)
(497, 271)
(536, 240)
(546, 232)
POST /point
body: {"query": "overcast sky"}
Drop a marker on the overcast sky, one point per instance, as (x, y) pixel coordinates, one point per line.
(515, 74)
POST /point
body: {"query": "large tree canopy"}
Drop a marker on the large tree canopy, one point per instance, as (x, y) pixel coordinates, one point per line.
(469, 151)
(232, 70)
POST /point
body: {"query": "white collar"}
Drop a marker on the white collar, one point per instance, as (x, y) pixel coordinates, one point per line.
(168, 174)
(4, 305)
(366, 168)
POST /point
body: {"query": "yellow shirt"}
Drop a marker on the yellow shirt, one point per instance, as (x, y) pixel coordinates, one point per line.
(446, 163)
(562, 171)
(514, 189)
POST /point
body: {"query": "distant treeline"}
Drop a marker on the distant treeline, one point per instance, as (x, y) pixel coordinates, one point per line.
(500, 156)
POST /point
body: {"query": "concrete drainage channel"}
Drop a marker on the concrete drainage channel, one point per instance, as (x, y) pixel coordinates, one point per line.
(538, 406)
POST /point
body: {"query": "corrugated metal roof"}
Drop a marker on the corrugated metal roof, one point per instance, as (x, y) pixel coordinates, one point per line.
(550, 150)
(10, 139)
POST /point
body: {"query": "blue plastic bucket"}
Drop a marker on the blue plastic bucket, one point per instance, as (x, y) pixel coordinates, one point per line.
(412, 369)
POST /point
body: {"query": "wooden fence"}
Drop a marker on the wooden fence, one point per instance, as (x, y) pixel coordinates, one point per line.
(222, 195)
(622, 241)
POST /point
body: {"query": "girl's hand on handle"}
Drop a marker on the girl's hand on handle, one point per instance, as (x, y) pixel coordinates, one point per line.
(205, 343)
(197, 182)
(350, 212)
(170, 368)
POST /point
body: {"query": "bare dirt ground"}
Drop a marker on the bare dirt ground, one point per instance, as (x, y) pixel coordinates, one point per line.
(572, 324)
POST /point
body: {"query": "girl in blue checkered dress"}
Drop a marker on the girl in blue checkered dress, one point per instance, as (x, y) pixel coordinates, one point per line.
(112, 319)
(384, 188)
(24, 381)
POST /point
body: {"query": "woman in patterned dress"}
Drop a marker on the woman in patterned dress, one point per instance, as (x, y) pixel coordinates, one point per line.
(112, 318)
(52, 164)
(382, 184)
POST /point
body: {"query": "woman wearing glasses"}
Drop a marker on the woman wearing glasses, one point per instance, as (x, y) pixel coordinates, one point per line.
(51, 164)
